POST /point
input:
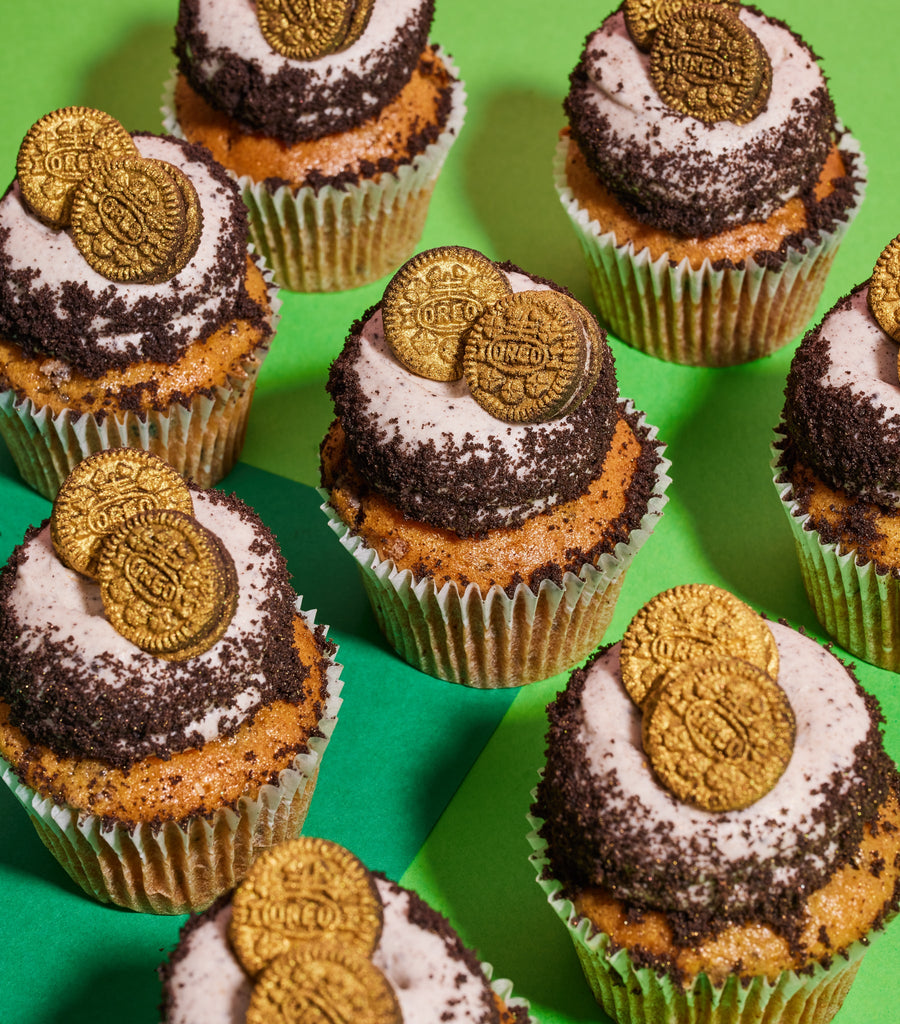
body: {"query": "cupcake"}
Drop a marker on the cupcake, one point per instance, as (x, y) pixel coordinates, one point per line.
(143, 322)
(717, 825)
(164, 701)
(335, 122)
(836, 466)
(312, 928)
(484, 472)
(709, 211)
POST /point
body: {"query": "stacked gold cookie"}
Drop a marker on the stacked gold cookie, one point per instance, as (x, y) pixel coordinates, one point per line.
(702, 666)
(124, 518)
(704, 61)
(305, 31)
(305, 922)
(133, 219)
(527, 357)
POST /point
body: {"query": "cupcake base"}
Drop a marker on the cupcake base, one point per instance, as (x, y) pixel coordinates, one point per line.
(704, 316)
(857, 605)
(173, 867)
(493, 639)
(331, 239)
(641, 996)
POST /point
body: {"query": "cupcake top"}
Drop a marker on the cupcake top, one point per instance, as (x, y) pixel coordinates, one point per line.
(444, 458)
(842, 404)
(679, 173)
(55, 304)
(77, 685)
(430, 974)
(610, 821)
(224, 54)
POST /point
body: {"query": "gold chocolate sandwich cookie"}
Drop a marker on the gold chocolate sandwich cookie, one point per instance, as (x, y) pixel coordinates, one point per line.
(307, 890)
(305, 30)
(707, 63)
(59, 151)
(432, 301)
(167, 583)
(643, 17)
(193, 217)
(688, 622)
(104, 490)
(129, 220)
(718, 733)
(527, 358)
(884, 289)
(323, 983)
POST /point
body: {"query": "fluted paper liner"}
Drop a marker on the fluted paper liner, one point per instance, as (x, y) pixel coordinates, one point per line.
(857, 606)
(704, 317)
(201, 439)
(638, 995)
(331, 239)
(503, 988)
(179, 867)
(494, 640)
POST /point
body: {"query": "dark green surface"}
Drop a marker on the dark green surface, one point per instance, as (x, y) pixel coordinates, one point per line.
(405, 743)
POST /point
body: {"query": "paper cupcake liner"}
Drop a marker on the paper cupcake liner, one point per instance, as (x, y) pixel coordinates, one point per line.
(176, 867)
(332, 239)
(201, 439)
(494, 640)
(703, 317)
(638, 995)
(857, 606)
(520, 1009)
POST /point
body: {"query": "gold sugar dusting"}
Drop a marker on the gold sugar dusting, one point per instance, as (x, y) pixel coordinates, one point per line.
(103, 491)
(432, 301)
(129, 220)
(688, 622)
(526, 356)
(884, 290)
(307, 29)
(643, 17)
(59, 150)
(167, 583)
(307, 890)
(323, 983)
(707, 63)
(718, 733)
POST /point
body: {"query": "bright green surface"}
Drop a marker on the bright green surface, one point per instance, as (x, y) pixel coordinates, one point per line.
(405, 743)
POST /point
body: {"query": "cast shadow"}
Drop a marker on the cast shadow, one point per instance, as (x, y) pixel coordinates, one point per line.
(509, 182)
(720, 470)
(125, 991)
(128, 81)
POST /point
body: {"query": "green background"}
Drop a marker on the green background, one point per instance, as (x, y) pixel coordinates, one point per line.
(425, 780)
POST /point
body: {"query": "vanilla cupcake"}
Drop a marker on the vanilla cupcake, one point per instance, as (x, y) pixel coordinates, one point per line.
(163, 709)
(757, 905)
(492, 548)
(708, 231)
(89, 361)
(836, 467)
(406, 960)
(336, 130)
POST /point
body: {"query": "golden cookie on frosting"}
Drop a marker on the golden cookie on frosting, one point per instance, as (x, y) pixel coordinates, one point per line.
(130, 311)
(175, 709)
(756, 904)
(707, 177)
(493, 515)
(336, 119)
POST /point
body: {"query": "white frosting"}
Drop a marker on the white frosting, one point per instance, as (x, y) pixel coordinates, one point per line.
(209, 986)
(418, 412)
(54, 259)
(627, 97)
(232, 25)
(77, 611)
(831, 719)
